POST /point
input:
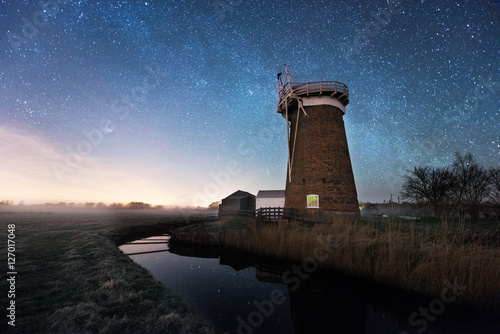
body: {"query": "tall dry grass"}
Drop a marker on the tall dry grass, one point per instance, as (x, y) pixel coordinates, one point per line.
(399, 255)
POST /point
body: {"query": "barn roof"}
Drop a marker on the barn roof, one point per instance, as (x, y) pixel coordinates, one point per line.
(271, 194)
(236, 197)
(239, 195)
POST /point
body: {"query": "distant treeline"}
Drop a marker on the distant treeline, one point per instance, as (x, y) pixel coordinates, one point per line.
(91, 205)
(464, 187)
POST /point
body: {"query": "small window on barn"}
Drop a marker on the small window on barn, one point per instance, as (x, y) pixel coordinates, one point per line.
(312, 201)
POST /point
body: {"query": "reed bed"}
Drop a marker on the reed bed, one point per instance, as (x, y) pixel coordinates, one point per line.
(404, 256)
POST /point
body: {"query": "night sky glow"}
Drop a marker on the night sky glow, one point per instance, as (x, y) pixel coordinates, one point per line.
(174, 102)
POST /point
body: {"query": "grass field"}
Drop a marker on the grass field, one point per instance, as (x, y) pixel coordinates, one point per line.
(71, 277)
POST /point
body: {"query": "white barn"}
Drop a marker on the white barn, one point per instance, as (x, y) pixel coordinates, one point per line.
(270, 199)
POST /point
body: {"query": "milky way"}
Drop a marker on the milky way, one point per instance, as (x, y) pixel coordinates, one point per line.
(174, 102)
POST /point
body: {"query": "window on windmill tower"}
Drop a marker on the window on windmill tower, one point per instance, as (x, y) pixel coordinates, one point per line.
(312, 201)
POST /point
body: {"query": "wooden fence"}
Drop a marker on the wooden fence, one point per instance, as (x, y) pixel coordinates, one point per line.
(273, 214)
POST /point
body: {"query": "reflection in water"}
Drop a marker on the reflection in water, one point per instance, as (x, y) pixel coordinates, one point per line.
(242, 293)
(218, 292)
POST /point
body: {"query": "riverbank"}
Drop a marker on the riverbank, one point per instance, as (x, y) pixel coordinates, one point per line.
(407, 255)
(71, 277)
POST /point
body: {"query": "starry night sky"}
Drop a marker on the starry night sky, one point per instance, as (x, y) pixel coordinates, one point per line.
(174, 102)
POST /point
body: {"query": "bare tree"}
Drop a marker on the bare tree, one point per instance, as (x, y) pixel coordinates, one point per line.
(138, 205)
(117, 205)
(466, 186)
(473, 184)
(477, 191)
(495, 189)
(462, 168)
(215, 204)
(426, 185)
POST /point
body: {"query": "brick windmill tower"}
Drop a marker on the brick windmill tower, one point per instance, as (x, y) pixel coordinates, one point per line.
(320, 180)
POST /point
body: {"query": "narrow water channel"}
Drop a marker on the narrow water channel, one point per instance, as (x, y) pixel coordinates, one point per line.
(240, 293)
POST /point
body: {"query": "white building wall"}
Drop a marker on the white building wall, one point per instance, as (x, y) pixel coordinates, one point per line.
(270, 202)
